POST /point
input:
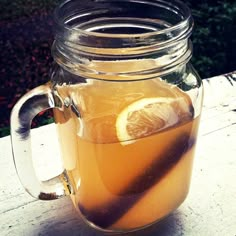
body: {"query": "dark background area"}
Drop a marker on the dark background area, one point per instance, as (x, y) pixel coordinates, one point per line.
(26, 36)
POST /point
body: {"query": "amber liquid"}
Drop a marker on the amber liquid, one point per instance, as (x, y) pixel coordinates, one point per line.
(124, 185)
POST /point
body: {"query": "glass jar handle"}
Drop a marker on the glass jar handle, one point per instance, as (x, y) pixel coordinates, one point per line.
(33, 102)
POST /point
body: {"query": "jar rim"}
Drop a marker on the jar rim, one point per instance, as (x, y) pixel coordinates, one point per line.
(82, 48)
(172, 5)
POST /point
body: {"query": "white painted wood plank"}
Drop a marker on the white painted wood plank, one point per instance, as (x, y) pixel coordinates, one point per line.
(210, 208)
(209, 202)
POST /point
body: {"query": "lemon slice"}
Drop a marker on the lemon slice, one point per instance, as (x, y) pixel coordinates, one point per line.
(150, 115)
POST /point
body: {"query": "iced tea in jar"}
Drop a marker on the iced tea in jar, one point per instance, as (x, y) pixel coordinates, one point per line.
(126, 103)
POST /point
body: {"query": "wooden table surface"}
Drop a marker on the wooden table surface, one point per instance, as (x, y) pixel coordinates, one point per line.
(209, 210)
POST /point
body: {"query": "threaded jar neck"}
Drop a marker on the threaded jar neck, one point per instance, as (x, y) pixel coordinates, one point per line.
(100, 37)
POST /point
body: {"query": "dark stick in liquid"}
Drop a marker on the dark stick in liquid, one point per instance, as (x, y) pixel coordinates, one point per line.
(109, 213)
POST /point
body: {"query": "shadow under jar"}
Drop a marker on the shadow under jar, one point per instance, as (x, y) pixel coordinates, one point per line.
(126, 103)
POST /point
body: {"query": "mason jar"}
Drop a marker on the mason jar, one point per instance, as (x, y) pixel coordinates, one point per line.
(127, 104)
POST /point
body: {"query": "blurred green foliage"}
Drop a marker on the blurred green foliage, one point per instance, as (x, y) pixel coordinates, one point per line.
(11, 10)
(214, 36)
